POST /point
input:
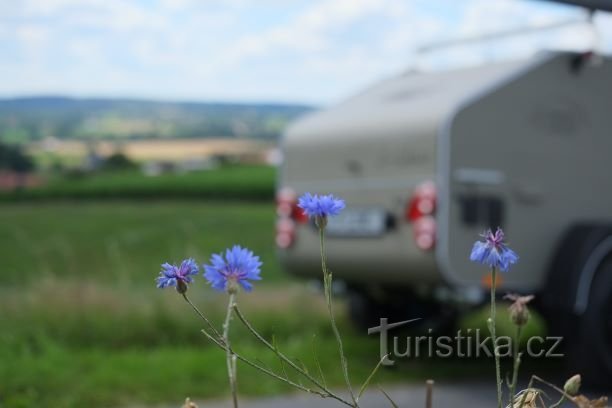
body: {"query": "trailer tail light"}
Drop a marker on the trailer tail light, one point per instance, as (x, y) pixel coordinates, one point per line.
(286, 206)
(420, 212)
(285, 233)
(289, 215)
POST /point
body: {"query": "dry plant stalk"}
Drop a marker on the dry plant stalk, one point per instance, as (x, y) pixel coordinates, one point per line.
(189, 404)
(527, 398)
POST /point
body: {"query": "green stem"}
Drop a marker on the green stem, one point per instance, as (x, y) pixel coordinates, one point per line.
(558, 403)
(327, 284)
(554, 387)
(208, 323)
(231, 367)
(219, 342)
(491, 324)
(271, 373)
(517, 363)
(286, 359)
(365, 384)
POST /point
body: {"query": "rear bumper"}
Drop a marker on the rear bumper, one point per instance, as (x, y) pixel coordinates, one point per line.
(391, 259)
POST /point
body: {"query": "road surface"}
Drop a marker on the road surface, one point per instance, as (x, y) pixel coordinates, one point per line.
(445, 395)
(472, 395)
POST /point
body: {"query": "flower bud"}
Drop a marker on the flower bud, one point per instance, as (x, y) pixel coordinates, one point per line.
(519, 314)
(181, 286)
(232, 286)
(320, 221)
(572, 386)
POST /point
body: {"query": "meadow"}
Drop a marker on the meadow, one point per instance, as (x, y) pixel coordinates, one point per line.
(83, 325)
(79, 311)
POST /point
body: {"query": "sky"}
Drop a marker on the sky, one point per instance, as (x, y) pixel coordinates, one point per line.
(305, 51)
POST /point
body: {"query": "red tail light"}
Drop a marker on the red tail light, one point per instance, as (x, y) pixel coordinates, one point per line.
(286, 206)
(285, 233)
(420, 212)
(289, 214)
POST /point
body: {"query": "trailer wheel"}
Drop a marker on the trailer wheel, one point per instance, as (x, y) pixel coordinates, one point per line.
(577, 301)
(592, 353)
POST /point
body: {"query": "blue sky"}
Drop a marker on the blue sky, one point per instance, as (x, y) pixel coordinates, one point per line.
(313, 51)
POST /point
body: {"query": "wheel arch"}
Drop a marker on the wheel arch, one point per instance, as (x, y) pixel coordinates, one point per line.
(577, 258)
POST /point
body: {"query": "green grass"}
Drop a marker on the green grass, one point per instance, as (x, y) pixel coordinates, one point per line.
(82, 324)
(228, 182)
(65, 344)
(124, 243)
(57, 376)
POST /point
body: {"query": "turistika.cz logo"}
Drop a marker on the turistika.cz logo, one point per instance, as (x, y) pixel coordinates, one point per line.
(468, 343)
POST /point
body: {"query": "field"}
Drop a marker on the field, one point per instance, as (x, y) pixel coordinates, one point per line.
(80, 314)
(68, 151)
(83, 325)
(227, 182)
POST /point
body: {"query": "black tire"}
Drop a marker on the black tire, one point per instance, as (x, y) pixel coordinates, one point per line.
(591, 354)
(587, 342)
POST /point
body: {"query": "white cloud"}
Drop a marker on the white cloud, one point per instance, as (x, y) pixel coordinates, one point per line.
(312, 50)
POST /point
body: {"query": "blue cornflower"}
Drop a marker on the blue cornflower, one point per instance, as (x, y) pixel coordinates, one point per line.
(239, 266)
(493, 251)
(179, 276)
(320, 205)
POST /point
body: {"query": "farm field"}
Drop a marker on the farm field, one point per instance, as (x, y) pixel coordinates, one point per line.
(123, 243)
(140, 150)
(82, 323)
(234, 182)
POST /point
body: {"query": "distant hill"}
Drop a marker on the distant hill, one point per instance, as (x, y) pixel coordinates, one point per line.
(36, 118)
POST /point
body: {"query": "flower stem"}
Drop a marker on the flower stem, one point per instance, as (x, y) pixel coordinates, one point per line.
(322, 394)
(208, 323)
(554, 387)
(491, 324)
(327, 287)
(558, 403)
(218, 340)
(286, 359)
(517, 363)
(231, 365)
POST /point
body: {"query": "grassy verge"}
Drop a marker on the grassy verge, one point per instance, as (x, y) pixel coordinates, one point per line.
(81, 323)
(64, 345)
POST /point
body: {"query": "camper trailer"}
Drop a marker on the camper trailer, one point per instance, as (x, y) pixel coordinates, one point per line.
(428, 161)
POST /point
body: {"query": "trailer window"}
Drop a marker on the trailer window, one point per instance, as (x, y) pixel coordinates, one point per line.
(487, 211)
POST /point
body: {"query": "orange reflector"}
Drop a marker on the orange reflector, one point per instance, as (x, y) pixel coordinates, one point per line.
(487, 282)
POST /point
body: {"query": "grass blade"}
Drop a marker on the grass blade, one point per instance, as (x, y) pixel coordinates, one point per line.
(316, 359)
(393, 404)
(367, 381)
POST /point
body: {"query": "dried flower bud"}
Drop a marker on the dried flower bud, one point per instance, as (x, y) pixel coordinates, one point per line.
(518, 309)
(583, 402)
(572, 386)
